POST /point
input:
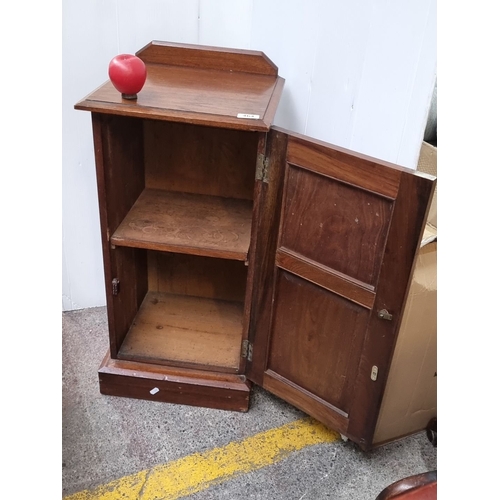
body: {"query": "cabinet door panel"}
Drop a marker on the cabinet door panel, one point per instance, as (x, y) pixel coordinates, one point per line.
(327, 332)
(350, 227)
(340, 226)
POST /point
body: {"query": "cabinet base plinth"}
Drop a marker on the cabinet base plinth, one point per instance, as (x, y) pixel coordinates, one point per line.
(173, 385)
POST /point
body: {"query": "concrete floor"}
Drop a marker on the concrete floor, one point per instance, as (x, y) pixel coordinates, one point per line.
(105, 438)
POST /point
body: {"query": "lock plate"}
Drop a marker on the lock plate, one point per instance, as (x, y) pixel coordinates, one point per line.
(385, 314)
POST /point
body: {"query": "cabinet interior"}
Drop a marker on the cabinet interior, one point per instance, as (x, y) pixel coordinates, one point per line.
(182, 242)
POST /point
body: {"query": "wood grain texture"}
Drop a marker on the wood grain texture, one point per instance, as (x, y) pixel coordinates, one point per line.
(129, 267)
(120, 166)
(207, 277)
(308, 402)
(409, 216)
(178, 181)
(340, 226)
(176, 385)
(118, 150)
(187, 223)
(193, 95)
(251, 261)
(265, 235)
(322, 347)
(203, 160)
(325, 277)
(216, 58)
(316, 339)
(344, 165)
(274, 101)
(191, 331)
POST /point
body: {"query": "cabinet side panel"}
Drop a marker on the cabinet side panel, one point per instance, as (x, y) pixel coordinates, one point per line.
(118, 148)
(251, 262)
(122, 166)
(129, 267)
(268, 200)
(202, 160)
(103, 215)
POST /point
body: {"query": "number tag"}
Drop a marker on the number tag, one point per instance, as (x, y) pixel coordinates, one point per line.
(247, 115)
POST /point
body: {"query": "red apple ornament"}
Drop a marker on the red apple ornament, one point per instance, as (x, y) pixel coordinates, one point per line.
(128, 74)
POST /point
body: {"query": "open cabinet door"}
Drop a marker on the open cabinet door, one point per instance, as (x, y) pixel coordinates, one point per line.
(331, 296)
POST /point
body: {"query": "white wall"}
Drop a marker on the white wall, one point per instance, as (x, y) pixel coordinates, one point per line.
(359, 74)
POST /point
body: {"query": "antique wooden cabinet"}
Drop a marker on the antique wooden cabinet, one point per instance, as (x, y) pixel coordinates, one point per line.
(238, 252)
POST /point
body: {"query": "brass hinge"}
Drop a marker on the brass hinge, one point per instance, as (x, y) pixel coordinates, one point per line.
(115, 286)
(262, 172)
(246, 350)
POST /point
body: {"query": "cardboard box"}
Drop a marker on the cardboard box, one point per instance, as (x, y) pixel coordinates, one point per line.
(410, 398)
(427, 163)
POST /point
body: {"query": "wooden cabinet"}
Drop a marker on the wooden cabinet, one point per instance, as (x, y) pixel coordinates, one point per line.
(236, 252)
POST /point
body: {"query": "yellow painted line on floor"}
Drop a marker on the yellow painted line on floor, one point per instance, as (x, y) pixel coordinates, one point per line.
(199, 471)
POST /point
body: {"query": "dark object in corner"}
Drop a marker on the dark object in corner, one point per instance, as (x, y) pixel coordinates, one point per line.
(418, 487)
(432, 431)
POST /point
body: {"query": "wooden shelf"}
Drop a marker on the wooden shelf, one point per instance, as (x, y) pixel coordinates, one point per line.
(187, 331)
(187, 223)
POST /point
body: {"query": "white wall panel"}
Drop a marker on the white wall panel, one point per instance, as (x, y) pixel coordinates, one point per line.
(225, 23)
(359, 74)
(287, 32)
(395, 47)
(340, 55)
(140, 22)
(421, 96)
(89, 42)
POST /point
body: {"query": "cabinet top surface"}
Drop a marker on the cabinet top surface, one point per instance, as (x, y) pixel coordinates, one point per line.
(200, 85)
